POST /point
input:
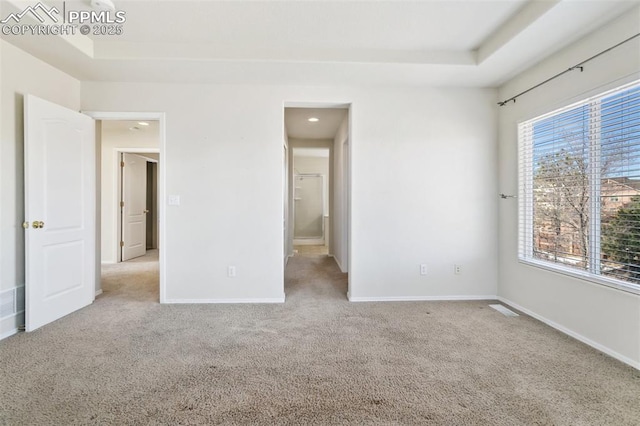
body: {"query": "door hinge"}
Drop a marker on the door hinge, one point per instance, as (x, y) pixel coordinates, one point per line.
(121, 203)
(121, 164)
(121, 243)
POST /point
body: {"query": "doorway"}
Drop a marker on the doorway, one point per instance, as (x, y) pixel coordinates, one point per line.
(73, 188)
(121, 138)
(127, 147)
(317, 178)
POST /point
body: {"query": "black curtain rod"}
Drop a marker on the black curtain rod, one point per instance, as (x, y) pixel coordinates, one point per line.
(579, 66)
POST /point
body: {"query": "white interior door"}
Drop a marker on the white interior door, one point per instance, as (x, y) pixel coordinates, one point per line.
(134, 206)
(60, 210)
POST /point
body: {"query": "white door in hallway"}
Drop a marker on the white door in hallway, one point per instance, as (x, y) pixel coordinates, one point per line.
(59, 168)
(134, 206)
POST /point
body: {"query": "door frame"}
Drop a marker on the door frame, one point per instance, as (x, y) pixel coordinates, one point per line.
(160, 117)
(346, 198)
(285, 197)
(348, 181)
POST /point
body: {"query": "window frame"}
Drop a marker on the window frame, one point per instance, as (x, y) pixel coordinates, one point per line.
(525, 245)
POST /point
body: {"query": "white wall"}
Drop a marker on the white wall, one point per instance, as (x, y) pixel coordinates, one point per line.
(423, 191)
(10, 312)
(21, 74)
(603, 317)
(111, 142)
(423, 187)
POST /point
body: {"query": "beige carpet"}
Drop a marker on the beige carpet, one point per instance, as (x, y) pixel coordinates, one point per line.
(317, 359)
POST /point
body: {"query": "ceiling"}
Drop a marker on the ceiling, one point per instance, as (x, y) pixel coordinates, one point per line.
(126, 126)
(465, 43)
(298, 126)
(311, 152)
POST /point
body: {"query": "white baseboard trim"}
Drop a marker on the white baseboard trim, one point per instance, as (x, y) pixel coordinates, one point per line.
(418, 298)
(8, 333)
(10, 325)
(219, 301)
(585, 340)
(12, 306)
(108, 262)
(98, 293)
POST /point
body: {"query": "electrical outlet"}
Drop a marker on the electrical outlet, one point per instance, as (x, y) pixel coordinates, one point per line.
(457, 269)
(423, 269)
(231, 271)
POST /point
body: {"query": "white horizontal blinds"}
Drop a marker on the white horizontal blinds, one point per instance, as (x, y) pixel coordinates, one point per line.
(580, 186)
(525, 193)
(619, 122)
(560, 187)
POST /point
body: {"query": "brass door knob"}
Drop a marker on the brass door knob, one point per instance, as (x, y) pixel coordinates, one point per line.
(146, 211)
(37, 224)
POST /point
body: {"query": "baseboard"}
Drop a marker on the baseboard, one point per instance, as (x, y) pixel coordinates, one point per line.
(418, 298)
(10, 325)
(98, 293)
(220, 301)
(12, 306)
(583, 339)
(108, 262)
(8, 333)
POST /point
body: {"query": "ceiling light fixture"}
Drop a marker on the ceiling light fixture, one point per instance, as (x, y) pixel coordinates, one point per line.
(313, 119)
(143, 123)
(134, 128)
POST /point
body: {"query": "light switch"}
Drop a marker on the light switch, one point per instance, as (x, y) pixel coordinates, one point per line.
(174, 200)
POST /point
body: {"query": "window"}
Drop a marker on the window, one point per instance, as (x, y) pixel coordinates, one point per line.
(579, 195)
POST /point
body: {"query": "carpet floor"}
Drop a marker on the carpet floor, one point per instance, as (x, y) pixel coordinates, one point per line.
(316, 359)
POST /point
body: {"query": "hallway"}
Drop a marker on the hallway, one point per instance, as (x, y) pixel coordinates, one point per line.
(314, 278)
(136, 279)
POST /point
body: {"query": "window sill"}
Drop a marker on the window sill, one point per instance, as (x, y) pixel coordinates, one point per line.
(615, 284)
